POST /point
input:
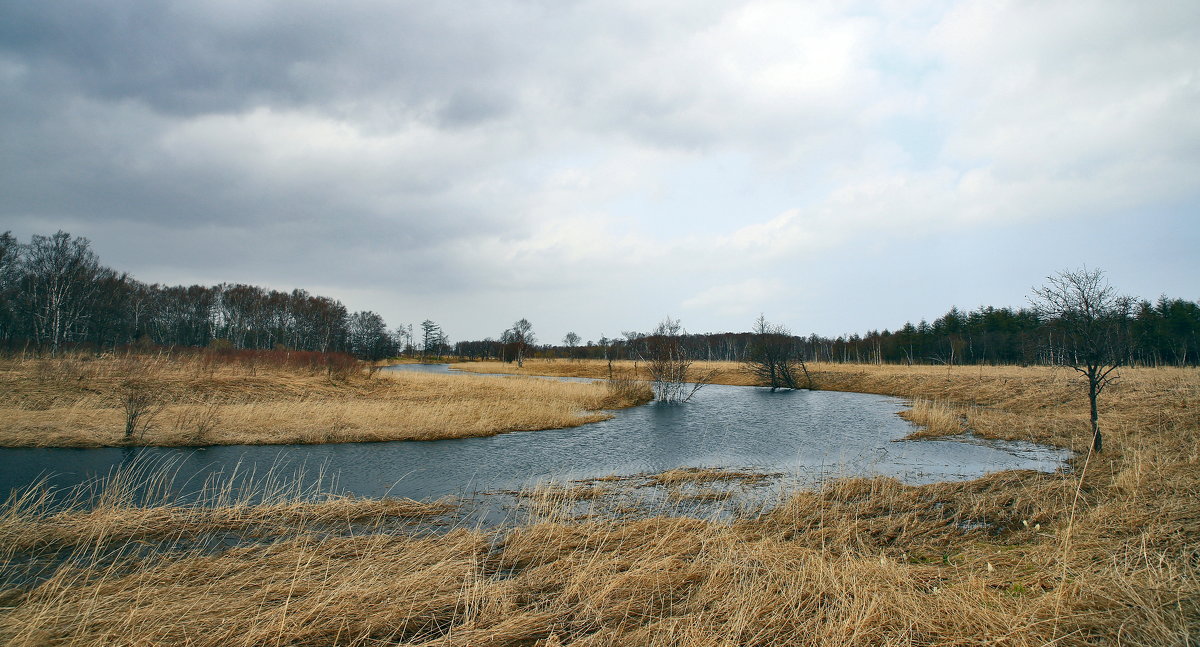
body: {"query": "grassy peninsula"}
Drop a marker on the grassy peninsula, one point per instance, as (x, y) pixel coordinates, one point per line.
(204, 399)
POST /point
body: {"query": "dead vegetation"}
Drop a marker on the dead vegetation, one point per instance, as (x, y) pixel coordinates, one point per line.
(695, 475)
(155, 400)
(1105, 554)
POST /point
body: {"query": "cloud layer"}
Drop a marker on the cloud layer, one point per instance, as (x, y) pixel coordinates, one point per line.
(594, 167)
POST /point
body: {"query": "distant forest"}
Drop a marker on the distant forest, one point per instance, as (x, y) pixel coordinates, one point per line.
(55, 294)
(1164, 333)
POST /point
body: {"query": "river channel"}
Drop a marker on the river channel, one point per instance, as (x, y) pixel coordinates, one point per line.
(801, 436)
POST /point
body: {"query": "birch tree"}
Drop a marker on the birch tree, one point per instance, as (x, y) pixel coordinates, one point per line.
(61, 280)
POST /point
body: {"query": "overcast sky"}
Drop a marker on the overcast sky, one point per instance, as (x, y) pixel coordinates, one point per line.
(597, 165)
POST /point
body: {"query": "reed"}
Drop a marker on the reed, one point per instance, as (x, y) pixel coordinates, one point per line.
(935, 419)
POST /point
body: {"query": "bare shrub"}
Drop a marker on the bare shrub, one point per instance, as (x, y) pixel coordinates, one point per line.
(141, 405)
(670, 365)
(774, 357)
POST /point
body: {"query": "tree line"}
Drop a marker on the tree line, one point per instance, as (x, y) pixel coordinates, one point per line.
(56, 294)
(1161, 333)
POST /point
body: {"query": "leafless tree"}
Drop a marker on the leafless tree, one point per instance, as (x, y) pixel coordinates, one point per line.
(521, 336)
(62, 278)
(669, 364)
(774, 357)
(141, 405)
(571, 340)
(1093, 321)
(369, 337)
(404, 332)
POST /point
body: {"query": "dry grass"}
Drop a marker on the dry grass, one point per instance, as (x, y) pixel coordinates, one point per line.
(723, 372)
(693, 475)
(935, 419)
(1103, 555)
(78, 403)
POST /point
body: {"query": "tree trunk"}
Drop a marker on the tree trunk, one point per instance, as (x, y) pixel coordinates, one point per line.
(1093, 388)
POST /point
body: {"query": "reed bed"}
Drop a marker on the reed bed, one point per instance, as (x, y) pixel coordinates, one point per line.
(78, 403)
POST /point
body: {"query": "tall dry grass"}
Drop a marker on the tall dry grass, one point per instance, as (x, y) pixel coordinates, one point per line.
(864, 561)
(79, 402)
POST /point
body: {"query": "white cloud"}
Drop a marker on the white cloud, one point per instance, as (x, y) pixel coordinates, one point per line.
(742, 299)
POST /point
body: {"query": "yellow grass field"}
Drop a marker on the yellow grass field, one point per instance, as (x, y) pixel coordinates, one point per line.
(77, 402)
(1107, 554)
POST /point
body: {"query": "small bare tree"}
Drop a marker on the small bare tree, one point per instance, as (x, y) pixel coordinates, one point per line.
(774, 357)
(1093, 321)
(670, 365)
(141, 405)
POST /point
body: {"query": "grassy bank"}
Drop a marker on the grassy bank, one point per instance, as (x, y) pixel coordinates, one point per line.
(82, 402)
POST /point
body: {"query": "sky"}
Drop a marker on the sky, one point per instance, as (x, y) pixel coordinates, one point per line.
(596, 166)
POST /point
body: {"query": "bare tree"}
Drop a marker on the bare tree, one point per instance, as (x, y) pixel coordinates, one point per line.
(141, 403)
(670, 365)
(62, 278)
(404, 332)
(521, 336)
(1093, 321)
(369, 337)
(774, 357)
(571, 340)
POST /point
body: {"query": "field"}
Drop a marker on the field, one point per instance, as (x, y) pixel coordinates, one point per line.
(82, 401)
(1105, 554)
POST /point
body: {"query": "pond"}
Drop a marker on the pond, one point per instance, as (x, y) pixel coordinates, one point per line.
(805, 436)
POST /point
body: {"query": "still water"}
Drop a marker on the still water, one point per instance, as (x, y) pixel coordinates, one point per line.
(804, 435)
